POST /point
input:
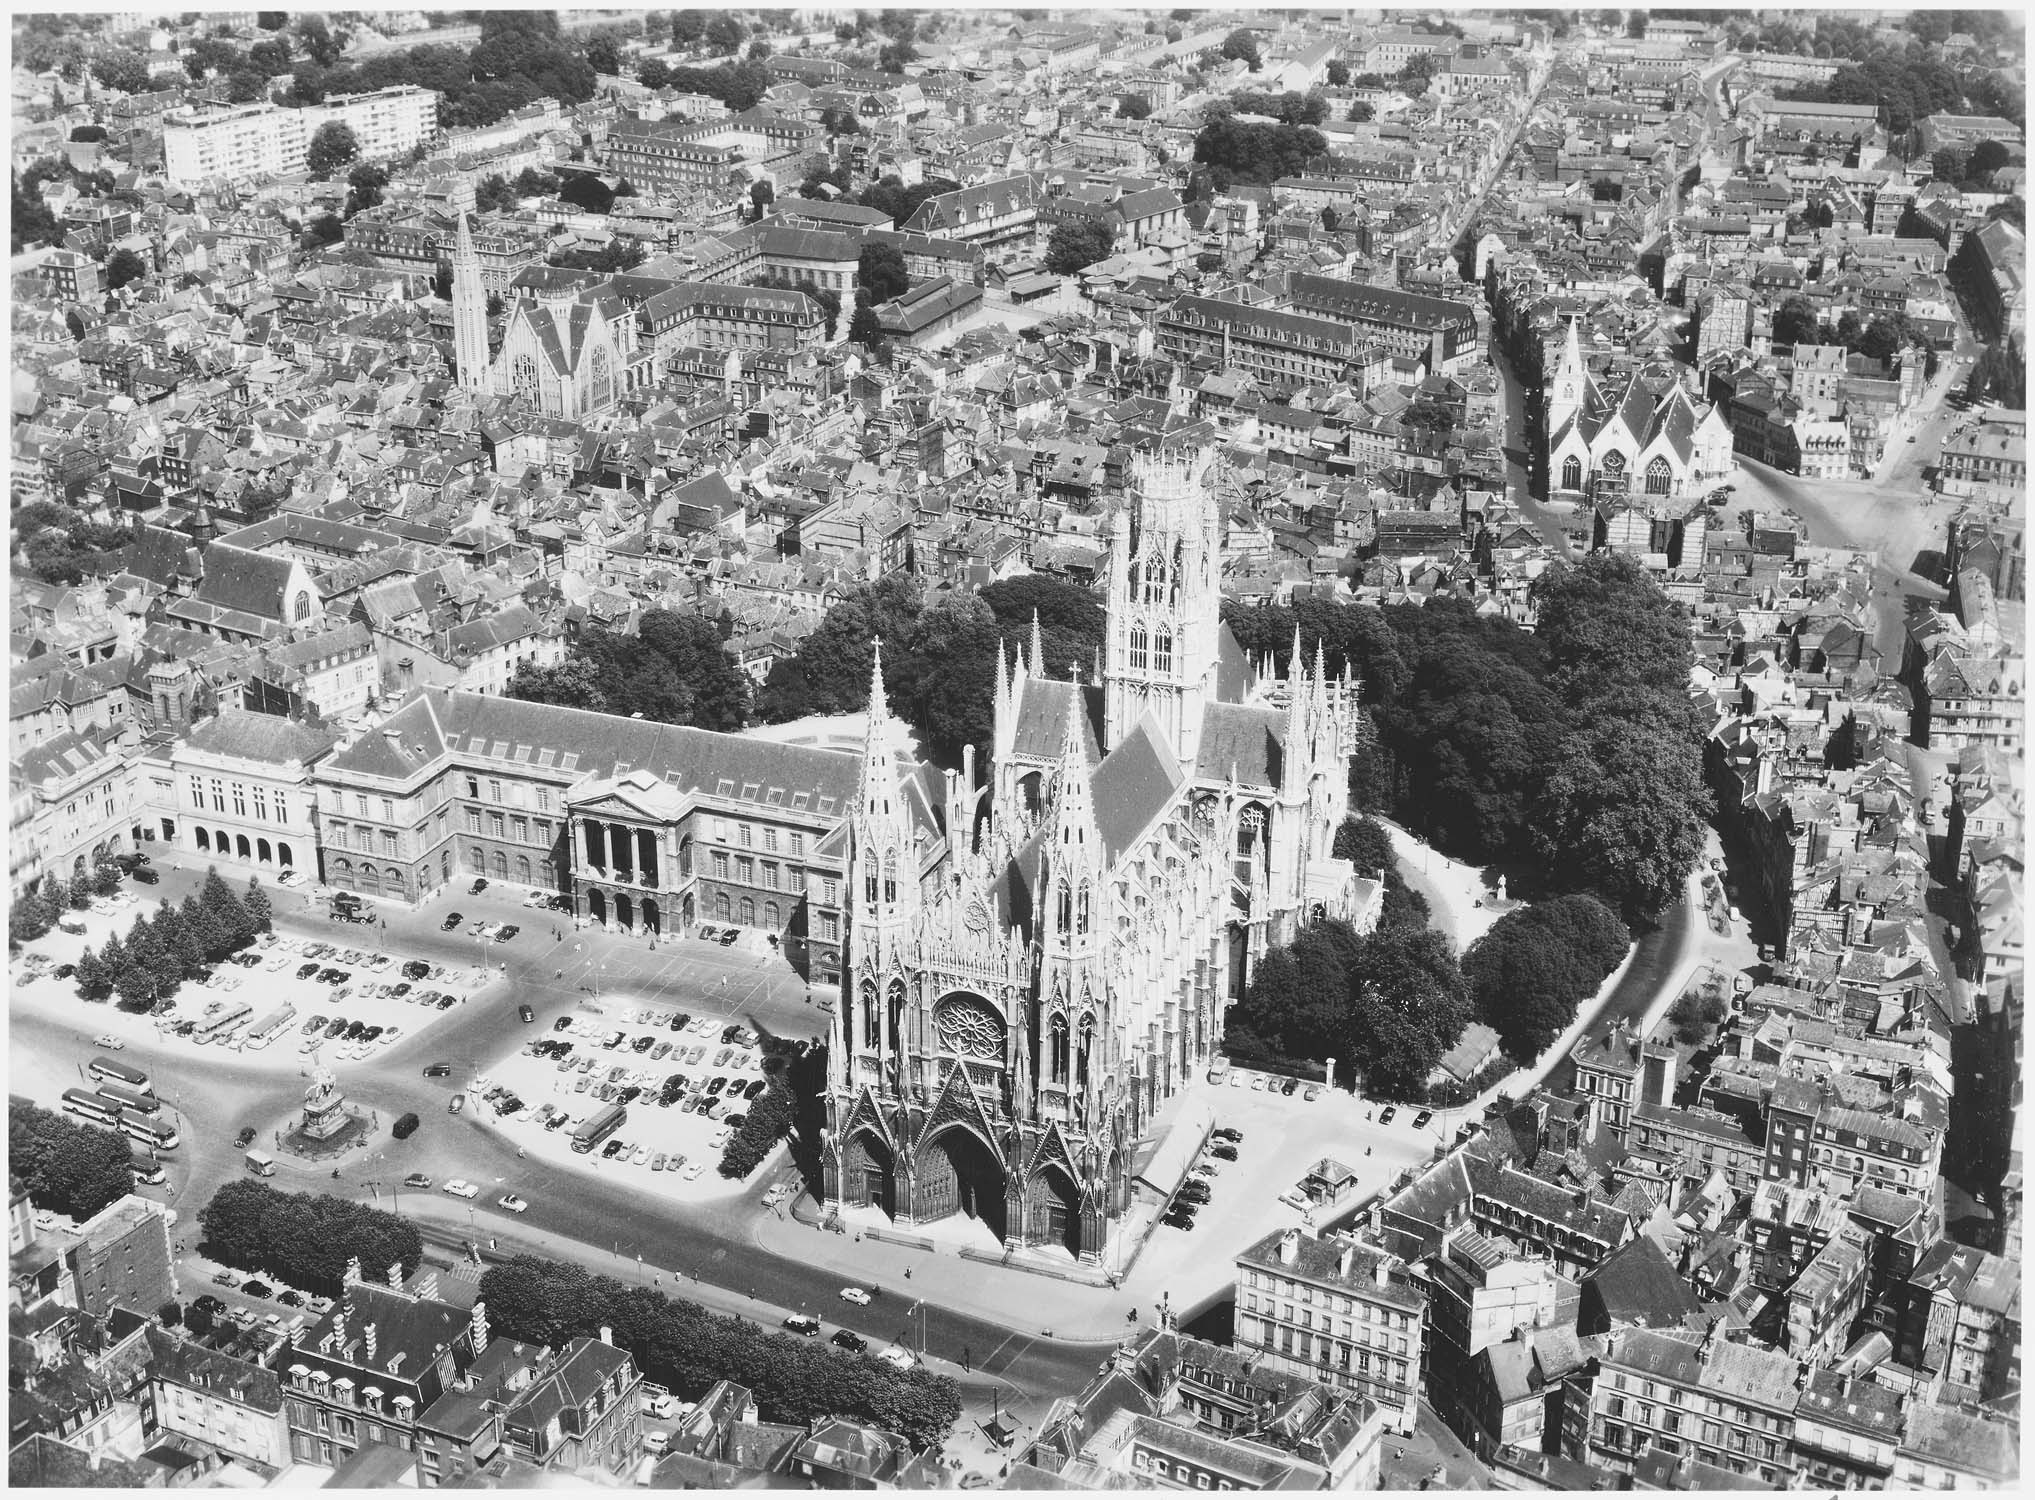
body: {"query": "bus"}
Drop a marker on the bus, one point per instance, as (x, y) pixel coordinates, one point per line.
(592, 1131)
(153, 1132)
(269, 1027)
(227, 1015)
(94, 1107)
(147, 1170)
(126, 1098)
(111, 1071)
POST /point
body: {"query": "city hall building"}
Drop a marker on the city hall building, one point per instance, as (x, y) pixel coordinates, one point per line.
(648, 827)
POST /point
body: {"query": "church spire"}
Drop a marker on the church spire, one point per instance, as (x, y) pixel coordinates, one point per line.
(469, 312)
(1038, 662)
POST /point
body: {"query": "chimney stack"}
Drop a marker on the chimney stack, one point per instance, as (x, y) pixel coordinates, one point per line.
(1289, 1247)
(353, 1270)
(370, 1343)
(607, 1334)
(1383, 1270)
(480, 1328)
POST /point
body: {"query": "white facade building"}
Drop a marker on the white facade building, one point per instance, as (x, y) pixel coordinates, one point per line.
(246, 141)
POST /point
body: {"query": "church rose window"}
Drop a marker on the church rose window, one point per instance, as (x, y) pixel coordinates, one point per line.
(969, 1027)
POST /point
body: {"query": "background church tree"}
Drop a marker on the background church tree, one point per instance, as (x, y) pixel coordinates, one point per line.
(123, 266)
(1078, 243)
(333, 146)
(364, 186)
(675, 670)
(1536, 965)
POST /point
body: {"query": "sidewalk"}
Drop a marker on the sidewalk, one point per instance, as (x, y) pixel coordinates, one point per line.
(1031, 1305)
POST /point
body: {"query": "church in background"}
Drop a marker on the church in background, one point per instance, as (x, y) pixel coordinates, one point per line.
(1037, 964)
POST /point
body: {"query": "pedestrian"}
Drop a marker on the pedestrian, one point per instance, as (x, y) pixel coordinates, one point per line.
(907, 1273)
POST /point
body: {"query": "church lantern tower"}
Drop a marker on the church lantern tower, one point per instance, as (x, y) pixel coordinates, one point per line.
(1165, 607)
(883, 878)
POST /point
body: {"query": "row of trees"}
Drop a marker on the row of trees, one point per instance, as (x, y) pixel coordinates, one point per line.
(43, 904)
(305, 1239)
(939, 660)
(684, 1347)
(68, 1167)
(675, 670)
(520, 58)
(767, 1121)
(1905, 86)
(1536, 964)
(179, 943)
(1390, 1002)
(1570, 747)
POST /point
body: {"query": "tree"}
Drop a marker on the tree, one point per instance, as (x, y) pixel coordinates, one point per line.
(322, 231)
(94, 983)
(864, 327)
(880, 273)
(896, 54)
(68, 1168)
(1987, 157)
(761, 196)
(237, 928)
(686, 1349)
(768, 1121)
(1078, 242)
(724, 33)
(1606, 624)
(260, 916)
(123, 266)
(364, 186)
(1244, 152)
(304, 1239)
(1635, 24)
(532, 182)
(654, 74)
(674, 670)
(1338, 73)
(271, 20)
(1535, 966)
(1362, 112)
(122, 72)
(1795, 322)
(603, 55)
(1133, 107)
(332, 148)
(319, 44)
(1241, 46)
(688, 27)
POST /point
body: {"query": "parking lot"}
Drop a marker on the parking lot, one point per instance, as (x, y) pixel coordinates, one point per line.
(1276, 1139)
(261, 1003)
(682, 1081)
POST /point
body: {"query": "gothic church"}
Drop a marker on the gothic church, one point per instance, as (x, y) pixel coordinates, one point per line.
(569, 352)
(1037, 965)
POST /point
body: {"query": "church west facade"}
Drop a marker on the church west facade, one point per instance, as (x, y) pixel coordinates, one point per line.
(1637, 450)
(1036, 966)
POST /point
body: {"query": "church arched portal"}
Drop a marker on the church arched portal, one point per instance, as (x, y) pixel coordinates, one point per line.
(958, 1173)
(597, 905)
(869, 1174)
(1053, 1209)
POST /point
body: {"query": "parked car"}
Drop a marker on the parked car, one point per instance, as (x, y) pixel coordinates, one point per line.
(507, 933)
(416, 968)
(1387, 1115)
(525, 1014)
(1420, 1120)
(856, 1295)
(802, 1323)
(729, 936)
(451, 922)
(1223, 1152)
(244, 1139)
(848, 1339)
(459, 1187)
(417, 1182)
(514, 1204)
(480, 884)
(305, 971)
(438, 1070)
